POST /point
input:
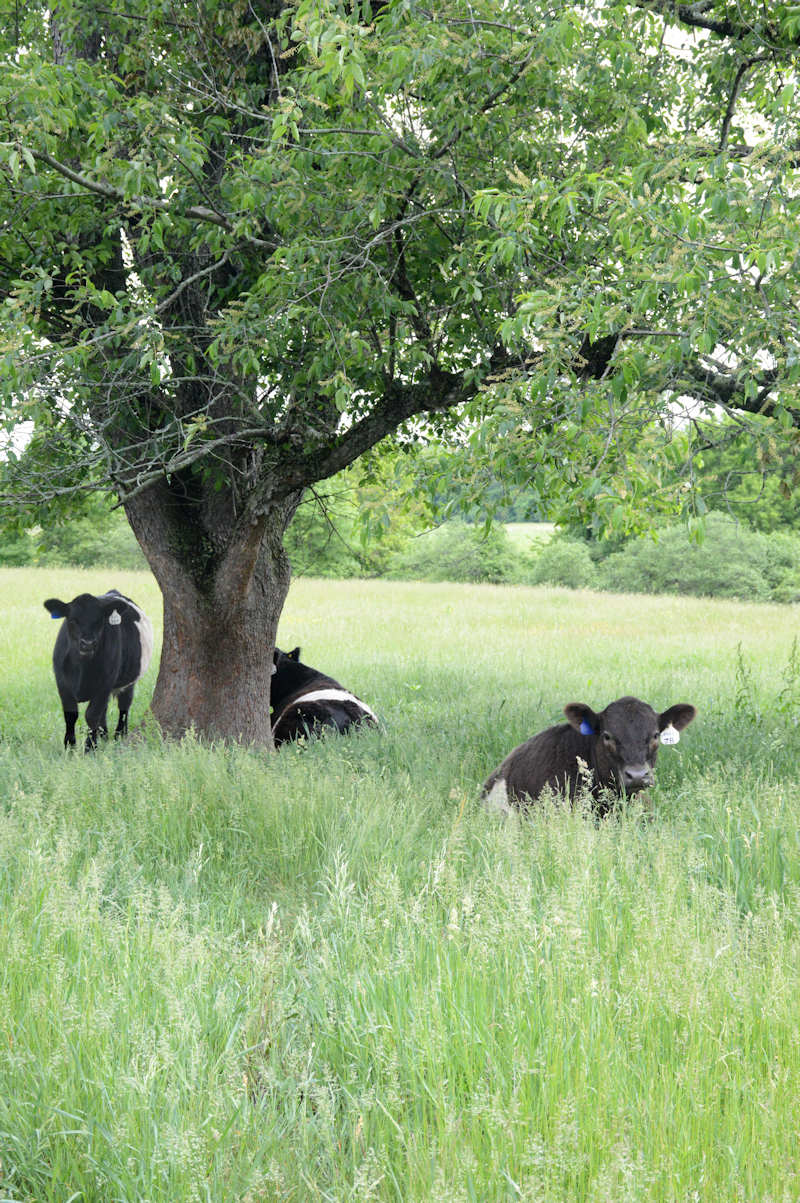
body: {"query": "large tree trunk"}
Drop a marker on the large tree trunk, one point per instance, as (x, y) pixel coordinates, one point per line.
(216, 661)
(220, 621)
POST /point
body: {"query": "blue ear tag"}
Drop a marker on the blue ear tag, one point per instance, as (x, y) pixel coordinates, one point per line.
(56, 616)
(585, 729)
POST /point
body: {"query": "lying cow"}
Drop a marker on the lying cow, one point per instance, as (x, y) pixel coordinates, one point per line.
(102, 648)
(304, 701)
(619, 747)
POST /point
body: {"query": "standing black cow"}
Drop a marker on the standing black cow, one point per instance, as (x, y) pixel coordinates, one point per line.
(102, 648)
(619, 746)
(303, 701)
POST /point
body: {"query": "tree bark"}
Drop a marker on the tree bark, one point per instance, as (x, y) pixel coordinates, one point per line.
(216, 664)
(220, 621)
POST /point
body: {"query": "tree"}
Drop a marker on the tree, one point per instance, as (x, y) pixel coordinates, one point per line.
(242, 243)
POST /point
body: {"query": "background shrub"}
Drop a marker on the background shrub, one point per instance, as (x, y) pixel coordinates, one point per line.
(731, 561)
(18, 550)
(89, 543)
(457, 552)
(337, 535)
(564, 562)
(783, 565)
(101, 538)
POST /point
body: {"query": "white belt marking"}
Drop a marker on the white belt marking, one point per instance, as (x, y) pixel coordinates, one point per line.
(325, 695)
(145, 629)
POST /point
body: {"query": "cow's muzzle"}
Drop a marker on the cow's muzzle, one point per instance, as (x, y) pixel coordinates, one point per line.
(636, 777)
(87, 647)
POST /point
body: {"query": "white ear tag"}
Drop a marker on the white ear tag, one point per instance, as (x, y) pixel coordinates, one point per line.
(274, 670)
(114, 618)
(669, 735)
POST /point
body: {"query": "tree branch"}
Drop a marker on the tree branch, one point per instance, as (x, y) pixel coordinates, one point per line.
(728, 390)
(694, 15)
(131, 487)
(442, 390)
(192, 213)
(737, 85)
(184, 284)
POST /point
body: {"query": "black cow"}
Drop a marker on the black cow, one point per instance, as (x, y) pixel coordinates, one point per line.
(619, 746)
(102, 648)
(303, 701)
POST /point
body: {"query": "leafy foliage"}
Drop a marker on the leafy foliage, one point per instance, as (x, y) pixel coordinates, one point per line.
(757, 485)
(322, 540)
(731, 561)
(290, 230)
(358, 523)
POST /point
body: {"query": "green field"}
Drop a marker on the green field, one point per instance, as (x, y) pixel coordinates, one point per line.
(328, 974)
(523, 534)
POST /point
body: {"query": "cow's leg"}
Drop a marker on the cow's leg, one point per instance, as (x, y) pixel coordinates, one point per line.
(124, 699)
(69, 704)
(96, 721)
(70, 719)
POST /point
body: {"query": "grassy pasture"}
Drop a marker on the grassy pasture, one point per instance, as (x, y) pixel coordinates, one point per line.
(329, 975)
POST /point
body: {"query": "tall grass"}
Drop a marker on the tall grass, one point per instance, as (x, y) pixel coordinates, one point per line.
(328, 974)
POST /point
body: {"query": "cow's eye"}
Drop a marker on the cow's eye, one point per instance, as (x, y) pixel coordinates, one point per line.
(608, 737)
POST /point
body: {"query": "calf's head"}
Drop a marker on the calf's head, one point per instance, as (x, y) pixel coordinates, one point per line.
(279, 657)
(626, 736)
(288, 675)
(86, 617)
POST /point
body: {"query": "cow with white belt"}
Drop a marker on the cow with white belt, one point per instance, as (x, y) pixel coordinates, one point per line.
(304, 701)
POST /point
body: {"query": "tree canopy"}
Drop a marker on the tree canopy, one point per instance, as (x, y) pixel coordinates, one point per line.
(241, 243)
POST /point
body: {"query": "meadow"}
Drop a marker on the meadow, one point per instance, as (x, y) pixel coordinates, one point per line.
(328, 974)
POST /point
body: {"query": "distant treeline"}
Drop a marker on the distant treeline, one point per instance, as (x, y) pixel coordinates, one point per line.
(730, 560)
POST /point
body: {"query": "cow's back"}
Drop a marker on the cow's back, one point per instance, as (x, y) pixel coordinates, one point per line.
(547, 760)
(302, 718)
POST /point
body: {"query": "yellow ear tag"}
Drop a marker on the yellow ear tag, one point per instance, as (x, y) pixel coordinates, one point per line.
(669, 735)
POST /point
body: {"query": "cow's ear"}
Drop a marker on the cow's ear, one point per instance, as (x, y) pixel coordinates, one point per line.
(109, 606)
(58, 609)
(294, 654)
(582, 718)
(678, 716)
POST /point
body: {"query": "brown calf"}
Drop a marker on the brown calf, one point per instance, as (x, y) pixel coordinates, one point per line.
(619, 747)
